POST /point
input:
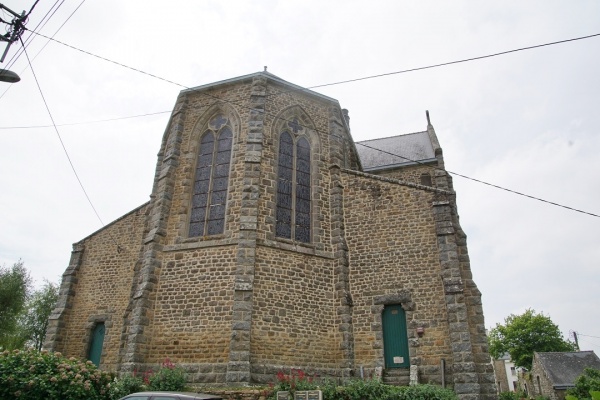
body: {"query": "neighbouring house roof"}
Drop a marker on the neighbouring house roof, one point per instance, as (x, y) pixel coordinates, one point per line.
(395, 151)
(563, 368)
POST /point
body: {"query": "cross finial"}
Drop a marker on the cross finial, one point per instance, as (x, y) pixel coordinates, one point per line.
(265, 68)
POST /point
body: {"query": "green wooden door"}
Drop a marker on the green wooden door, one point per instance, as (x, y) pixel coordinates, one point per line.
(95, 351)
(395, 339)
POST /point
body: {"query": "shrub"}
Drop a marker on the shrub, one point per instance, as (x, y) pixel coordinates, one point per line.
(125, 385)
(372, 389)
(168, 377)
(31, 374)
(423, 392)
(508, 396)
(588, 381)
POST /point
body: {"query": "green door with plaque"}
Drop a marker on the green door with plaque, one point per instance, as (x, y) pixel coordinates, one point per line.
(395, 339)
(95, 351)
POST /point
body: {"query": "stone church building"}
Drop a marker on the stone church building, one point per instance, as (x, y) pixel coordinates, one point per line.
(273, 241)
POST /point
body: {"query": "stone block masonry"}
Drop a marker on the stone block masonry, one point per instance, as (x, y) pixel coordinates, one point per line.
(237, 305)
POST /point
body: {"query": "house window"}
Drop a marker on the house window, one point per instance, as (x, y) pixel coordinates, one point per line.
(513, 371)
(293, 189)
(211, 179)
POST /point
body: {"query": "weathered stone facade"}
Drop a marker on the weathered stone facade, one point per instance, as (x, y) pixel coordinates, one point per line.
(237, 306)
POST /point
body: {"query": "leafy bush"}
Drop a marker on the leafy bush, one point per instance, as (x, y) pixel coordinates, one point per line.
(371, 389)
(422, 392)
(508, 396)
(125, 385)
(168, 377)
(32, 374)
(588, 381)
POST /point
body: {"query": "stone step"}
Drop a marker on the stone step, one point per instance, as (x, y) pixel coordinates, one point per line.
(396, 376)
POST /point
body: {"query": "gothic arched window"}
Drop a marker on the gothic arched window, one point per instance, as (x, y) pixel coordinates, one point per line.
(293, 189)
(211, 179)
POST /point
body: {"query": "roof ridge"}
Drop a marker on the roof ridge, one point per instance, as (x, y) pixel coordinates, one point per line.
(390, 137)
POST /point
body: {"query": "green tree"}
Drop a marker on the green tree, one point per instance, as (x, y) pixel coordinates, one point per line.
(588, 382)
(34, 322)
(15, 284)
(521, 335)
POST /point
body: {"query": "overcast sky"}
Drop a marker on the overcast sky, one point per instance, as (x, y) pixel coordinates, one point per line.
(528, 121)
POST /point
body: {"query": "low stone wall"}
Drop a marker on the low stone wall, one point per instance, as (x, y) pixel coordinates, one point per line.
(237, 394)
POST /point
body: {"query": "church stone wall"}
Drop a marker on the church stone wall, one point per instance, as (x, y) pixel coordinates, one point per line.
(201, 107)
(418, 174)
(391, 238)
(102, 284)
(281, 107)
(237, 307)
(293, 314)
(192, 318)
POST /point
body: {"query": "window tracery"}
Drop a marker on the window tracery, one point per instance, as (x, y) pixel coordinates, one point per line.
(211, 179)
(293, 188)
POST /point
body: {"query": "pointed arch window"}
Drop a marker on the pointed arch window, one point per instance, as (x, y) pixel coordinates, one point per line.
(293, 189)
(211, 179)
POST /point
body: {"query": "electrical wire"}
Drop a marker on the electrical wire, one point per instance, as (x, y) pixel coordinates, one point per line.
(30, 36)
(455, 62)
(119, 246)
(381, 75)
(86, 122)
(111, 61)
(45, 44)
(60, 138)
(581, 334)
(480, 181)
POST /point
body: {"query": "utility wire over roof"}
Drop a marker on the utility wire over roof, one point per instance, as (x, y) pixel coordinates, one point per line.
(407, 149)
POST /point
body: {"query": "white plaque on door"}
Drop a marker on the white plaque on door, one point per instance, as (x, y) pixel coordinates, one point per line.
(398, 360)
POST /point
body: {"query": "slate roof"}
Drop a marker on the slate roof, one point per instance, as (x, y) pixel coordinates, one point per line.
(405, 149)
(563, 368)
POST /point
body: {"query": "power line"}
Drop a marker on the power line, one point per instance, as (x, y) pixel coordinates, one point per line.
(30, 37)
(48, 41)
(429, 166)
(85, 122)
(381, 75)
(595, 337)
(59, 137)
(111, 61)
(455, 62)
(119, 247)
(482, 182)
(354, 79)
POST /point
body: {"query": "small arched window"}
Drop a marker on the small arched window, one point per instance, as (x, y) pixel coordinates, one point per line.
(211, 179)
(293, 189)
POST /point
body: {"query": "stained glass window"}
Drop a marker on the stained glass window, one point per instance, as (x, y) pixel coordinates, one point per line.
(293, 189)
(211, 179)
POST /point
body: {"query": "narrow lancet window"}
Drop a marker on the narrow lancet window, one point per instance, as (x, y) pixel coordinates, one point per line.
(293, 189)
(211, 179)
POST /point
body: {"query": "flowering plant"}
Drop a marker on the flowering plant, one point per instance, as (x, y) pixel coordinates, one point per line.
(32, 374)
